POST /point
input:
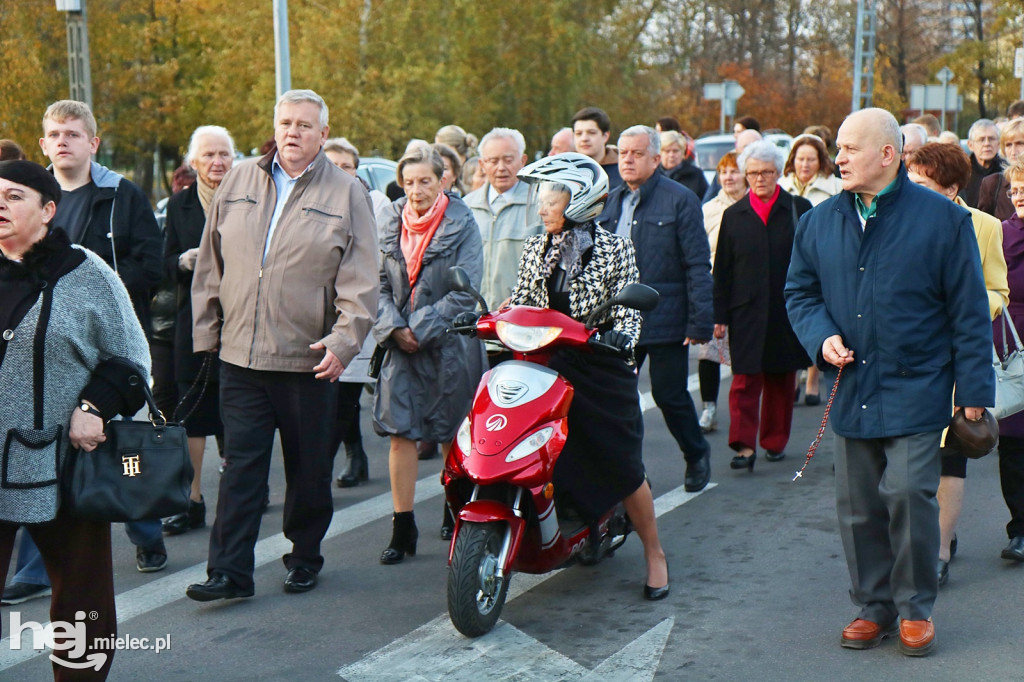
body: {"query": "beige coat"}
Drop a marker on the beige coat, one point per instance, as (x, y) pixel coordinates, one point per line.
(989, 232)
(713, 211)
(816, 191)
(319, 279)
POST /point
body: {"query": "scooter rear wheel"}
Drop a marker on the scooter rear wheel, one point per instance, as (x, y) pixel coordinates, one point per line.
(476, 594)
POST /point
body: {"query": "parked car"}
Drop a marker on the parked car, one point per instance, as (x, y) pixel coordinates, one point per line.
(377, 171)
(709, 149)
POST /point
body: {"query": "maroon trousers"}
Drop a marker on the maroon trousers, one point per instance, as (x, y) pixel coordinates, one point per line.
(78, 562)
(765, 401)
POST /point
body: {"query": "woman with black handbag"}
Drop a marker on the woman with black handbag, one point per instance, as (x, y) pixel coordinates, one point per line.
(69, 346)
(211, 152)
(427, 376)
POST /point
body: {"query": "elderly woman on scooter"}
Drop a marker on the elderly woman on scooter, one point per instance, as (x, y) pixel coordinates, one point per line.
(573, 267)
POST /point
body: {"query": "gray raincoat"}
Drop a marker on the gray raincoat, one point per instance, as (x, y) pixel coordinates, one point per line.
(425, 395)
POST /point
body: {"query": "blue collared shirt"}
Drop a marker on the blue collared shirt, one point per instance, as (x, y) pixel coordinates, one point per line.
(285, 184)
(625, 226)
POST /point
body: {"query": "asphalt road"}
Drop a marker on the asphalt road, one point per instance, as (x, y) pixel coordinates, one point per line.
(759, 590)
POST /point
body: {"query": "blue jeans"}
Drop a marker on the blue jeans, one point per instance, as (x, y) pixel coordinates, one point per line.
(147, 535)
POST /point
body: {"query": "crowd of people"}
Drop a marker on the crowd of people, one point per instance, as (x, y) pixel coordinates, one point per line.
(780, 267)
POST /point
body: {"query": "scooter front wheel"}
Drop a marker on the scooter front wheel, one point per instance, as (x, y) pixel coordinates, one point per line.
(476, 593)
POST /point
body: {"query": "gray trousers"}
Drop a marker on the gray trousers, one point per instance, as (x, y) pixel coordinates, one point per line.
(889, 523)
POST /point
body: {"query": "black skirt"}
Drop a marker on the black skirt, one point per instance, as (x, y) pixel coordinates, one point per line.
(601, 463)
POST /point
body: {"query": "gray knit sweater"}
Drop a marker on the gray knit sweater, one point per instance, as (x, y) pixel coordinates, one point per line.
(91, 320)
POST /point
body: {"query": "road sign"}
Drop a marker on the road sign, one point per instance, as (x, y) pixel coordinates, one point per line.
(728, 92)
(929, 97)
(733, 90)
(944, 75)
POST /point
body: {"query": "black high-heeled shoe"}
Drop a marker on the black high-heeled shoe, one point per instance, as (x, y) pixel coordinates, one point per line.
(656, 593)
(741, 462)
(403, 538)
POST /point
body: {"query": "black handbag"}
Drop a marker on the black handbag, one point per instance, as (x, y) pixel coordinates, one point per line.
(376, 361)
(141, 471)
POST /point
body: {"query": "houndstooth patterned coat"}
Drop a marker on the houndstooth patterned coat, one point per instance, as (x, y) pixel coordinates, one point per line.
(611, 267)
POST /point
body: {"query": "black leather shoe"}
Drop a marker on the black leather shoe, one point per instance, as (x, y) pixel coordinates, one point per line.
(300, 579)
(943, 571)
(741, 462)
(812, 399)
(1015, 550)
(446, 533)
(194, 518)
(953, 544)
(217, 587)
(774, 456)
(698, 474)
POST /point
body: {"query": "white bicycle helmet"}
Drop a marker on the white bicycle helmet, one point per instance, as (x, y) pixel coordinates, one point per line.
(581, 175)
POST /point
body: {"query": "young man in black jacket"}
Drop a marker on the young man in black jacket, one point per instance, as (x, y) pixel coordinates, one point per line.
(104, 212)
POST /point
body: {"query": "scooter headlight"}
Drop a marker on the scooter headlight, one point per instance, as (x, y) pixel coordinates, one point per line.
(525, 339)
(464, 439)
(531, 444)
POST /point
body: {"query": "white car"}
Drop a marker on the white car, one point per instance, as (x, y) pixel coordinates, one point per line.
(710, 149)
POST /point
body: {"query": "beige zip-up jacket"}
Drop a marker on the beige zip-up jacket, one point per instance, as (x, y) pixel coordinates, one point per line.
(319, 280)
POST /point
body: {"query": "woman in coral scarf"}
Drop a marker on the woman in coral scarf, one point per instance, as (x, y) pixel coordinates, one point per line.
(427, 379)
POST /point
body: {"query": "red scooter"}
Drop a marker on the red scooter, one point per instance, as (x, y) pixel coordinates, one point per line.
(498, 474)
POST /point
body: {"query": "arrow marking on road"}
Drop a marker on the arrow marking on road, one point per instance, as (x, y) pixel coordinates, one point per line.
(436, 652)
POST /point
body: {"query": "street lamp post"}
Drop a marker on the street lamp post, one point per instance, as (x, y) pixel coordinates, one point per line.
(79, 73)
(944, 75)
(282, 52)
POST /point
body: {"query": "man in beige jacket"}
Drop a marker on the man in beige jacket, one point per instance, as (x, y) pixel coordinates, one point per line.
(285, 288)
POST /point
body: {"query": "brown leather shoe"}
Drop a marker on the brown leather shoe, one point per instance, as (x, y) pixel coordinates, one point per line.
(863, 634)
(917, 637)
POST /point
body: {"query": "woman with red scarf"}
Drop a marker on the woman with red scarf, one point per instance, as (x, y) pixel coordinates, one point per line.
(754, 246)
(427, 380)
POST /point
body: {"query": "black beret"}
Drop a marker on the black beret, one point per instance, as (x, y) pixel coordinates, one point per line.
(32, 175)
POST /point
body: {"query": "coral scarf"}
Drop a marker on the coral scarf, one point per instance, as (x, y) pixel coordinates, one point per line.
(417, 231)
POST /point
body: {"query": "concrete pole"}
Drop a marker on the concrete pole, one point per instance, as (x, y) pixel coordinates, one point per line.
(282, 55)
(79, 72)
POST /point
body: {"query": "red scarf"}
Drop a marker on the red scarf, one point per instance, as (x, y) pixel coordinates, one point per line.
(417, 231)
(761, 207)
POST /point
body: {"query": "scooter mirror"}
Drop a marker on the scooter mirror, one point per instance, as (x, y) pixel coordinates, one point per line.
(458, 280)
(637, 296)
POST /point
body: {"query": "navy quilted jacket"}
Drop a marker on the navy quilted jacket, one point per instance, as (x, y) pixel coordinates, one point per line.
(673, 256)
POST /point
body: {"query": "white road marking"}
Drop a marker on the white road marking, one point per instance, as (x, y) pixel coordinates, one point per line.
(170, 588)
(436, 651)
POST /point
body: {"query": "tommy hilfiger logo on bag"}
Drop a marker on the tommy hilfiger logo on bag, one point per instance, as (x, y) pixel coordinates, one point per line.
(131, 465)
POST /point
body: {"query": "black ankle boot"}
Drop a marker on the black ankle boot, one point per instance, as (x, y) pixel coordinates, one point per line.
(403, 538)
(357, 467)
